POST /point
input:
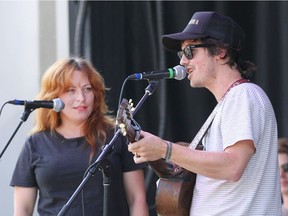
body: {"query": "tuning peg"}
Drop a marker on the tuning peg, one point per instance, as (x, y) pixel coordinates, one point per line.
(123, 129)
(131, 108)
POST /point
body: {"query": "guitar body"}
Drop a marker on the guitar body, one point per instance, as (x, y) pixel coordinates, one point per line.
(173, 197)
(175, 188)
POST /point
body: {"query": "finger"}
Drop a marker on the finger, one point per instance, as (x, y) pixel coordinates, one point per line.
(139, 159)
(143, 133)
(135, 153)
(132, 147)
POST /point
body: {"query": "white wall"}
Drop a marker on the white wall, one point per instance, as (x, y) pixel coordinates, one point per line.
(33, 35)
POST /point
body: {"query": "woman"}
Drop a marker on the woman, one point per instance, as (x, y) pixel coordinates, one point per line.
(283, 165)
(63, 145)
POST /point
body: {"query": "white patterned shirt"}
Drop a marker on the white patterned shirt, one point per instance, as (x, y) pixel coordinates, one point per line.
(245, 114)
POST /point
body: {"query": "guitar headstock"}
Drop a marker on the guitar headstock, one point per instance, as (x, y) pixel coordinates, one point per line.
(125, 122)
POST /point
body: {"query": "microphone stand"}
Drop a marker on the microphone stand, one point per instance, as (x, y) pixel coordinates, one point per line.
(23, 118)
(106, 150)
(105, 167)
(148, 91)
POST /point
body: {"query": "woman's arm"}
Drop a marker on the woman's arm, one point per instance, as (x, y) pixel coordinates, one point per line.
(135, 192)
(24, 200)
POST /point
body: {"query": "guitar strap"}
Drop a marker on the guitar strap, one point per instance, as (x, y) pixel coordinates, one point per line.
(196, 142)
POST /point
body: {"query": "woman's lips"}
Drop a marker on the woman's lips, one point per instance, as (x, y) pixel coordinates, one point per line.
(81, 108)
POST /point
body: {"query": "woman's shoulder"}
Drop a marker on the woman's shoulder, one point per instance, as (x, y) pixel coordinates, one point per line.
(40, 134)
(40, 137)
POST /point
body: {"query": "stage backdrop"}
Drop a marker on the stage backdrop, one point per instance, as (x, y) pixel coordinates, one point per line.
(122, 38)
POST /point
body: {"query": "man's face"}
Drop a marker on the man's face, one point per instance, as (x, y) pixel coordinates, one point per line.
(201, 67)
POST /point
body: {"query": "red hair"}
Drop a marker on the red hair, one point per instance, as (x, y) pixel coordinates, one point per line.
(56, 80)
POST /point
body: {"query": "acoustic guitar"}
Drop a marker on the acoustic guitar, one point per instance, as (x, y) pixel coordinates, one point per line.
(175, 187)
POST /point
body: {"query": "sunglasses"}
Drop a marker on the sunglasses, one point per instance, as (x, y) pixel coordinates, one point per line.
(188, 50)
(285, 167)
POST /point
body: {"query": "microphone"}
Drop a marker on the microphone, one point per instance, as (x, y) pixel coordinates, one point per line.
(178, 72)
(56, 104)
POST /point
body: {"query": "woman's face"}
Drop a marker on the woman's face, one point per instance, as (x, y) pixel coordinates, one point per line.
(78, 99)
(283, 159)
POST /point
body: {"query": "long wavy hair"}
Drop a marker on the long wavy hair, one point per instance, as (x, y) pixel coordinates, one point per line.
(55, 81)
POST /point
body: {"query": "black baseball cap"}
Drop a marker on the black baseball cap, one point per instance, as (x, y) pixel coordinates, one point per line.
(207, 24)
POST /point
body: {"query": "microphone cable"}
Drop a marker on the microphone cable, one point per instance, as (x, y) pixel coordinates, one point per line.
(120, 98)
(3, 107)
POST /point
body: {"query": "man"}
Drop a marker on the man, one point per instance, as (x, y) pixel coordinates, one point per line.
(237, 171)
(283, 164)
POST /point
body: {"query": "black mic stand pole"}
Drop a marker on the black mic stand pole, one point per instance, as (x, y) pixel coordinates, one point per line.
(23, 118)
(148, 91)
(106, 150)
(105, 167)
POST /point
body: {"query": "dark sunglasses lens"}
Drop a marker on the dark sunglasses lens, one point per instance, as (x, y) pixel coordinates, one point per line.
(180, 54)
(285, 167)
(188, 52)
